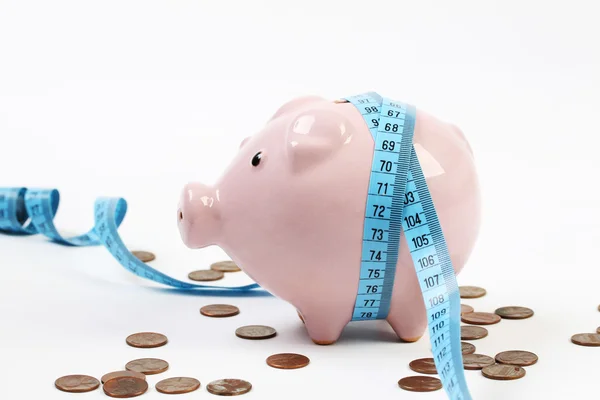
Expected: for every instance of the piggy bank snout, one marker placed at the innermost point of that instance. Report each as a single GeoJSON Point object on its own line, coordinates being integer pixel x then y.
{"type": "Point", "coordinates": [198, 216]}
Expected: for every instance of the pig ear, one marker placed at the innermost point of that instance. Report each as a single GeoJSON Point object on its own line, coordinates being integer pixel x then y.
{"type": "Point", "coordinates": [243, 142]}
{"type": "Point", "coordinates": [314, 136]}
{"type": "Point", "coordinates": [296, 103]}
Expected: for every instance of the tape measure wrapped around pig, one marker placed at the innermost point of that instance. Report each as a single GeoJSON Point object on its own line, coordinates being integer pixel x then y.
{"type": "Point", "coordinates": [296, 210]}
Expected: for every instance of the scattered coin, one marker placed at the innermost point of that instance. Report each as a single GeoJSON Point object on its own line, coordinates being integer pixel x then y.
{"type": "Point", "coordinates": [177, 385]}
{"type": "Point", "coordinates": [225, 266]}
{"type": "Point", "coordinates": [516, 357]}
{"type": "Point", "coordinates": [143, 256]}
{"type": "Point", "coordinates": [598, 330]}
{"type": "Point", "coordinates": [586, 339]}
{"type": "Point", "coordinates": [339, 101]}
{"type": "Point", "coordinates": [204, 275]}
{"type": "Point", "coordinates": [219, 310]}
{"type": "Point", "coordinates": [423, 366]}
{"type": "Point", "coordinates": [255, 332]}
{"type": "Point", "coordinates": [471, 292]}
{"type": "Point", "coordinates": [420, 383]}
{"type": "Point", "coordinates": [480, 318]}
{"type": "Point", "coordinates": [77, 383]}
{"type": "Point", "coordinates": [147, 366]}
{"type": "Point", "coordinates": [467, 348]}
{"type": "Point", "coordinates": [470, 332]}
{"type": "Point", "coordinates": [111, 375]}
{"type": "Point", "coordinates": [125, 387]}
{"type": "Point", "coordinates": [465, 309]}
{"type": "Point", "coordinates": [288, 361]}
{"type": "Point", "coordinates": [514, 312]}
{"type": "Point", "coordinates": [477, 361]}
{"type": "Point", "coordinates": [503, 372]}
{"type": "Point", "coordinates": [229, 387]}
{"type": "Point", "coordinates": [146, 340]}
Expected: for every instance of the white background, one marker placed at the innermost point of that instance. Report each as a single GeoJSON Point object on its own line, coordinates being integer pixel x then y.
{"type": "Point", "coordinates": [135, 98]}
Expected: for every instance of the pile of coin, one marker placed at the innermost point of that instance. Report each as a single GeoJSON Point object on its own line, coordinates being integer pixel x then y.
{"type": "Point", "coordinates": [506, 365]}
{"type": "Point", "coordinates": [131, 382]}
{"type": "Point", "coordinates": [217, 271]}
{"type": "Point", "coordinates": [587, 339]}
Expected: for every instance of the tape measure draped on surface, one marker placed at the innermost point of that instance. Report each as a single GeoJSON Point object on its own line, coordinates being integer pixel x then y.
{"type": "Point", "coordinates": [398, 198]}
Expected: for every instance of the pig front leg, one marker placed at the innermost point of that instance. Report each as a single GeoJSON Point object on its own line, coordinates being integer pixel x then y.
{"type": "Point", "coordinates": [324, 326]}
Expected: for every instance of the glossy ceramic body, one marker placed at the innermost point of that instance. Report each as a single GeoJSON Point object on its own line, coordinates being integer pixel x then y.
{"type": "Point", "coordinates": [294, 222]}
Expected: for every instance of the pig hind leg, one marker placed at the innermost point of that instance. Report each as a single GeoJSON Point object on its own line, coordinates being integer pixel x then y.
{"type": "Point", "coordinates": [323, 327]}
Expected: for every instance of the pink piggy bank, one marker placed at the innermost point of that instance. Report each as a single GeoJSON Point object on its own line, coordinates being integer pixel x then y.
{"type": "Point", "coordinates": [289, 210]}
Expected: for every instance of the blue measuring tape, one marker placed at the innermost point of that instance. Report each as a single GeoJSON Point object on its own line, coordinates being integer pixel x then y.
{"type": "Point", "coordinates": [40, 206]}
{"type": "Point", "coordinates": [397, 198]}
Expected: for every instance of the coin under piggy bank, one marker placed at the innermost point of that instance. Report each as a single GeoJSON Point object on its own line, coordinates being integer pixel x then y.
{"type": "Point", "coordinates": [289, 211]}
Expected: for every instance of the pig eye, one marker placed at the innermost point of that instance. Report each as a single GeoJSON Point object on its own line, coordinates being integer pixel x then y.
{"type": "Point", "coordinates": [256, 159]}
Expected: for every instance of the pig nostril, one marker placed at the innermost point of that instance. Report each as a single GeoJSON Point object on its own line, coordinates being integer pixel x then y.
{"type": "Point", "coordinates": [180, 215]}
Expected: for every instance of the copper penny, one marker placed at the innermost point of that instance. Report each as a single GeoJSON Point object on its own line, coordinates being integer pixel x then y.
{"type": "Point", "coordinates": [147, 366]}
{"type": "Point", "coordinates": [219, 310]}
{"type": "Point", "coordinates": [146, 340]}
{"type": "Point", "coordinates": [77, 383]}
{"type": "Point", "coordinates": [514, 312]}
{"type": "Point", "coordinates": [225, 266]}
{"type": "Point", "coordinates": [229, 387]}
{"type": "Point", "coordinates": [143, 256]}
{"type": "Point", "coordinates": [255, 332]}
{"type": "Point", "coordinates": [204, 275]}
{"type": "Point", "coordinates": [288, 361]}
{"type": "Point", "coordinates": [477, 361]}
{"type": "Point", "coordinates": [586, 339]}
{"type": "Point", "coordinates": [467, 348]}
{"type": "Point", "coordinates": [111, 375]}
{"type": "Point", "coordinates": [480, 318]}
{"type": "Point", "coordinates": [177, 385]}
{"type": "Point", "coordinates": [503, 372]}
{"type": "Point", "coordinates": [470, 332]}
{"type": "Point", "coordinates": [516, 357]}
{"type": "Point", "coordinates": [465, 309]}
{"type": "Point", "coordinates": [125, 387]}
{"type": "Point", "coordinates": [420, 383]}
{"type": "Point", "coordinates": [471, 292]}
{"type": "Point", "coordinates": [423, 366]}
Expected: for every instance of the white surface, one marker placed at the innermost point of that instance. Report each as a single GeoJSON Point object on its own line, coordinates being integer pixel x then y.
{"type": "Point", "coordinates": [135, 98]}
